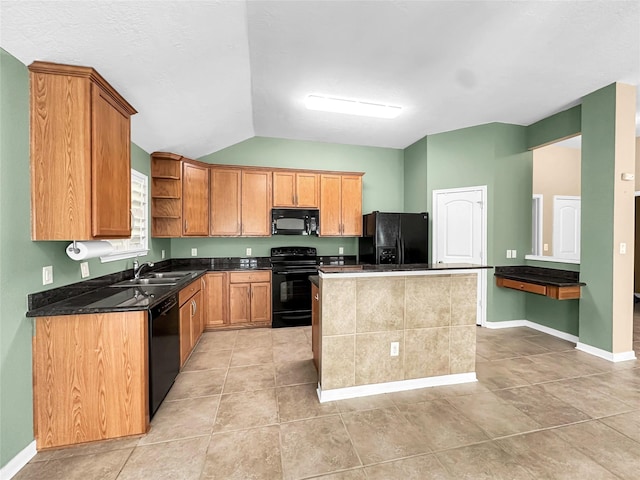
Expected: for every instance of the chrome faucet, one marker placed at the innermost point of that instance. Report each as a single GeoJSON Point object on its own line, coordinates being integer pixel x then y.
{"type": "Point", "coordinates": [137, 268]}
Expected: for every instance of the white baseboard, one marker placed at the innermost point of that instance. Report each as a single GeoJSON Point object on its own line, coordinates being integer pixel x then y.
{"type": "Point", "coordinates": [612, 357]}
{"type": "Point", "coordinates": [390, 387]}
{"type": "Point", "coordinates": [583, 347]}
{"type": "Point", "coordinates": [535, 326]}
{"type": "Point", "coordinates": [20, 460]}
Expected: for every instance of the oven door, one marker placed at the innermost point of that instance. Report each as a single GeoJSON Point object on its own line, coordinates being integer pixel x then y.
{"type": "Point", "coordinates": [291, 290]}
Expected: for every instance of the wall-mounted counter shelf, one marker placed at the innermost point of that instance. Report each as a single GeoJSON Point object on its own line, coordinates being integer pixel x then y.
{"type": "Point", "coordinates": [553, 283]}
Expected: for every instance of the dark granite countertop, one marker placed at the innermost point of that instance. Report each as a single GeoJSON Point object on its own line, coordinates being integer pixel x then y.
{"type": "Point", "coordinates": [412, 267]}
{"type": "Point", "coordinates": [97, 295]}
{"type": "Point", "coordinates": [540, 275]}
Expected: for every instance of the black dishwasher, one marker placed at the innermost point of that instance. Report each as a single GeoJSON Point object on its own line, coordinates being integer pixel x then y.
{"type": "Point", "coordinates": [164, 350]}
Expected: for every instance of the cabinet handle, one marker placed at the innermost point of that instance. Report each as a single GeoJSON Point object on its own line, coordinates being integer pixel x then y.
{"type": "Point", "coordinates": [186, 225]}
{"type": "Point", "coordinates": [194, 308]}
{"type": "Point", "coordinates": [316, 297]}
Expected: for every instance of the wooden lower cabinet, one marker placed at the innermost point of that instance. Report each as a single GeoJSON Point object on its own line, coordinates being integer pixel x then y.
{"type": "Point", "coordinates": [237, 299]}
{"type": "Point", "coordinates": [250, 298]}
{"type": "Point", "coordinates": [216, 295]}
{"type": "Point", "coordinates": [90, 378]}
{"type": "Point", "coordinates": [190, 318]}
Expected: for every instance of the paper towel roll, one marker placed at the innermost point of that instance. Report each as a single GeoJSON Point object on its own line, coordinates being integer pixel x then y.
{"type": "Point", "coordinates": [92, 249]}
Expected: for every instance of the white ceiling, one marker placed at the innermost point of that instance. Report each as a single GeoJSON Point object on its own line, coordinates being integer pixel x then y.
{"type": "Point", "coordinates": [205, 75]}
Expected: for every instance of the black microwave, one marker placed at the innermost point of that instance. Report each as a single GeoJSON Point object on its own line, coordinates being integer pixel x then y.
{"type": "Point", "coordinates": [291, 221]}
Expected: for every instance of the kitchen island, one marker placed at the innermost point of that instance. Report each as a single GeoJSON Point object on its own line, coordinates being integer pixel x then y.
{"type": "Point", "coordinates": [387, 328]}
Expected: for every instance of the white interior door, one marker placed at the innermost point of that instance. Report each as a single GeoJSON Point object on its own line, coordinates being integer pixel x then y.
{"type": "Point", "coordinates": [459, 233]}
{"type": "Point", "coordinates": [566, 227]}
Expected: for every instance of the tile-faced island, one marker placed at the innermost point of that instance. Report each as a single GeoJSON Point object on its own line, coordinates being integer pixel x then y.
{"type": "Point", "coordinates": [368, 313]}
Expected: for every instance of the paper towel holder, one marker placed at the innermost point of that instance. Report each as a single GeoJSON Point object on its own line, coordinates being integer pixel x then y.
{"type": "Point", "coordinates": [73, 247]}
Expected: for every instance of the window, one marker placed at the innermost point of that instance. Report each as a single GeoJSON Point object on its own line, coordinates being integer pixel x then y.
{"type": "Point", "coordinates": [138, 244]}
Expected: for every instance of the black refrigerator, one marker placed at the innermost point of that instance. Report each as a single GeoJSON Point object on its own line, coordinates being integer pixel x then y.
{"type": "Point", "coordinates": [394, 238]}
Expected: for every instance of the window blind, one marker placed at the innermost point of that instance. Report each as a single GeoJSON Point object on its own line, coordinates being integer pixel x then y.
{"type": "Point", "coordinates": [138, 244]}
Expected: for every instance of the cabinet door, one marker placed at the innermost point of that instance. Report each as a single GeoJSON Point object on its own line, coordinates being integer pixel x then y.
{"type": "Point", "coordinates": [225, 202]}
{"type": "Point", "coordinates": [284, 189]}
{"type": "Point", "coordinates": [261, 302]}
{"type": "Point", "coordinates": [216, 299]}
{"type": "Point", "coordinates": [307, 189]}
{"type": "Point", "coordinates": [185, 332]}
{"type": "Point", "coordinates": [110, 168]}
{"type": "Point", "coordinates": [330, 214]}
{"type": "Point", "coordinates": [196, 316]}
{"type": "Point", "coordinates": [256, 203]}
{"type": "Point", "coordinates": [239, 303]}
{"type": "Point", "coordinates": [195, 200]}
{"type": "Point", "coordinates": [351, 206]}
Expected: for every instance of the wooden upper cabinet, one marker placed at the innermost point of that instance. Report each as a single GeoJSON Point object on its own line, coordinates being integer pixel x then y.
{"type": "Point", "coordinates": [166, 195]}
{"type": "Point", "coordinates": [295, 189]}
{"type": "Point", "coordinates": [226, 202]}
{"type": "Point", "coordinates": [330, 215]}
{"type": "Point", "coordinates": [80, 155]}
{"type": "Point", "coordinates": [340, 205]}
{"type": "Point", "coordinates": [195, 200]}
{"type": "Point", "coordinates": [351, 205]}
{"type": "Point", "coordinates": [256, 203]}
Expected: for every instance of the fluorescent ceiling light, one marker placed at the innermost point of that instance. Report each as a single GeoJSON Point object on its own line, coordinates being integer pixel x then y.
{"type": "Point", "coordinates": [352, 107]}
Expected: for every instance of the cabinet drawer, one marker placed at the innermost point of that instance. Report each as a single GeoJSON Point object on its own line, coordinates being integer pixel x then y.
{"type": "Point", "coordinates": [250, 277]}
{"type": "Point", "coordinates": [187, 292]}
{"type": "Point", "coordinates": [523, 286]}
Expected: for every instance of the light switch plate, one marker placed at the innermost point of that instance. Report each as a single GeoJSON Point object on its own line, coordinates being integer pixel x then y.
{"type": "Point", "coordinates": [508, 253]}
{"type": "Point", "coordinates": [84, 269]}
{"type": "Point", "coordinates": [194, 252]}
{"type": "Point", "coordinates": [47, 275]}
{"type": "Point", "coordinates": [514, 254]}
{"type": "Point", "coordinates": [340, 250]}
{"type": "Point", "coordinates": [162, 254]}
{"type": "Point", "coordinates": [248, 251]}
{"type": "Point", "coordinates": [395, 349]}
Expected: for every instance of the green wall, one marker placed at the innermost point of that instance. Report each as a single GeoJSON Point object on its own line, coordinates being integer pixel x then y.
{"type": "Point", "coordinates": [597, 191]}
{"type": "Point", "coordinates": [555, 127]}
{"type": "Point", "coordinates": [415, 176]}
{"type": "Point", "coordinates": [494, 155]}
{"type": "Point", "coordinates": [382, 189]}
{"type": "Point", "coordinates": [21, 260]}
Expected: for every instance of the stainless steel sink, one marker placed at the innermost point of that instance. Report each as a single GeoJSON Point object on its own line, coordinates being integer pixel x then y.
{"type": "Point", "coordinates": [153, 279]}
{"type": "Point", "coordinates": [166, 275]}
{"type": "Point", "coordinates": [146, 281]}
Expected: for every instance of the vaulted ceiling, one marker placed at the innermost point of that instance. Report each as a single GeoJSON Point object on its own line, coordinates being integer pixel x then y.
{"type": "Point", "coordinates": [205, 75]}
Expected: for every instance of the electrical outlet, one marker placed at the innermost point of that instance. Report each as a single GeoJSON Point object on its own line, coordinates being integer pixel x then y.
{"type": "Point", "coordinates": [84, 269]}
{"type": "Point", "coordinates": [395, 349]}
{"type": "Point", "coordinates": [194, 252]}
{"type": "Point", "coordinates": [47, 275]}
{"type": "Point", "coordinates": [623, 249]}
{"type": "Point", "coordinates": [248, 251]}
{"type": "Point", "coordinates": [163, 254]}
{"type": "Point", "coordinates": [340, 250]}
{"type": "Point", "coordinates": [545, 247]}
{"type": "Point", "coordinates": [508, 253]}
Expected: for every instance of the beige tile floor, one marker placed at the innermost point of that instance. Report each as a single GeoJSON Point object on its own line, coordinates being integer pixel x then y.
{"type": "Point", "coordinates": [245, 407]}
